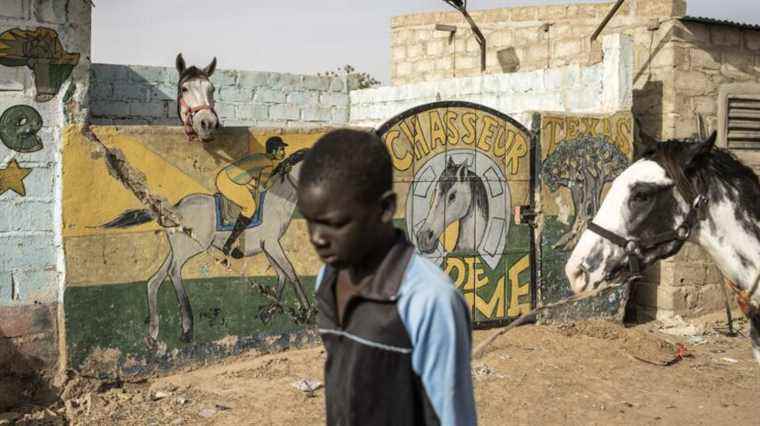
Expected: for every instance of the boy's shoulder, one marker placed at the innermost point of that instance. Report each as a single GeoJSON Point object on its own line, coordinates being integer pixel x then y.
{"type": "Point", "coordinates": [423, 278]}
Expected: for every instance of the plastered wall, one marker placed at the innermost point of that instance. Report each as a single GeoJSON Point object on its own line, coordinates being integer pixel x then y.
{"type": "Point", "coordinates": [44, 54]}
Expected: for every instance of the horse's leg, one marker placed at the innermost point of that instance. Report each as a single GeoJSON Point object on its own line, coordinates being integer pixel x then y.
{"type": "Point", "coordinates": [154, 283]}
{"type": "Point", "coordinates": [279, 260]}
{"type": "Point", "coordinates": [184, 250]}
{"type": "Point", "coordinates": [754, 333]}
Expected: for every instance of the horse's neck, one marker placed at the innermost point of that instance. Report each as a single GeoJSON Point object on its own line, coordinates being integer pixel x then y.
{"type": "Point", "coordinates": [731, 236]}
{"type": "Point", "coordinates": [472, 226]}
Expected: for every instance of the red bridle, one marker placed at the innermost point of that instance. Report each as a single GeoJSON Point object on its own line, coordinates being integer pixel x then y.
{"type": "Point", "coordinates": [187, 113]}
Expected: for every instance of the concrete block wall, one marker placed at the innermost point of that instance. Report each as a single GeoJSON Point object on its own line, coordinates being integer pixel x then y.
{"type": "Point", "coordinates": [600, 88]}
{"type": "Point", "coordinates": [132, 94]}
{"type": "Point", "coordinates": [517, 39]}
{"type": "Point", "coordinates": [31, 252]}
{"type": "Point", "coordinates": [678, 71]}
{"type": "Point", "coordinates": [701, 60]}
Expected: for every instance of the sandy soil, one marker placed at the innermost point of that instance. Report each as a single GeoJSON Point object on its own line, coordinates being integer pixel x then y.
{"type": "Point", "coordinates": [588, 372]}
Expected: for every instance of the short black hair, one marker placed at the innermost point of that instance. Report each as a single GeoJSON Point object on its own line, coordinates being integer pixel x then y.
{"type": "Point", "coordinates": [349, 158]}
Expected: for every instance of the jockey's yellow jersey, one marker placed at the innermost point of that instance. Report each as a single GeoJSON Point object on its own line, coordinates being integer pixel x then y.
{"type": "Point", "coordinates": [258, 166]}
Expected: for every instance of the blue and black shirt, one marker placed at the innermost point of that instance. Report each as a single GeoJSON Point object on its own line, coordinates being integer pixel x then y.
{"type": "Point", "coordinates": [400, 353]}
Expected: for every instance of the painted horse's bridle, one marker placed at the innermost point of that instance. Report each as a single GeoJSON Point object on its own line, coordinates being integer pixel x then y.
{"type": "Point", "coordinates": [636, 248]}
{"type": "Point", "coordinates": [189, 113]}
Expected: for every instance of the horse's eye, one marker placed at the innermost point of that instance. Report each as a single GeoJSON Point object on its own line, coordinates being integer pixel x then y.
{"type": "Point", "coordinates": [641, 197]}
{"type": "Point", "coordinates": [184, 89]}
{"type": "Point", "coordinates": [452, 196]}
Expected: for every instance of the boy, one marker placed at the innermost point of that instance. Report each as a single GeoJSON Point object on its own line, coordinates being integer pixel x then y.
{"type": "Point", "coordinates": [396, 331]}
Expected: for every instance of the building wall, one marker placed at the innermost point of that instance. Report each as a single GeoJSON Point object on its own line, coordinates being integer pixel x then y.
{"type": "Point", "coordinates": [134, 94]}
{"type": "Point", "coordinates": [46, 87]}
{"type": "Point", "coordinates": [704, 58]}
{"type": "Point", "coordinates": [678, 70]}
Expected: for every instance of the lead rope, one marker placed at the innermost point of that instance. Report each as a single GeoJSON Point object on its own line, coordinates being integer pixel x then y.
{"type": "Point", "coordinates": [531, 316]}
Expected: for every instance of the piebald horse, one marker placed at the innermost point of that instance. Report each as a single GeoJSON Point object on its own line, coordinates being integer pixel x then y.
{"type": "Point", "coordinates": [678, 191]}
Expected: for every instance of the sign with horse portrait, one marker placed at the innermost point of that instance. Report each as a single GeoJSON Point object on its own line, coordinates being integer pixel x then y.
{"type": "Point", "coordinates": [460, 169]}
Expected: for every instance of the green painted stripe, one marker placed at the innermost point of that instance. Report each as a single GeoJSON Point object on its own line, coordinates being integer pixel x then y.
{"type": "Point", "coordinates": [116, 315]}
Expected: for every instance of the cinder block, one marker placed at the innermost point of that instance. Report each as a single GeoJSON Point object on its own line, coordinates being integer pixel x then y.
{"type": "Point", "coordinates": [143, 74]}
{"type": "Point", "coordinates": [314, 82]}
{"type": "Point", "coordinates": [26, 215]}
{"type": "Point", "coordinates": [284, 112]}
{"type": "Point", "coordinates": [226, 110]}
{"type": "Point", "coordinates": [31, 251]}
{"type": "Point", "coordinates": [253, 79]}
{"type": "Point", "coordinates": [39, 184]}
{"type": "Point", "coordinates": [222, 78]}
{"type": "Point", "coordinates": [268, 96]}
{"type": "Point", "coordinates": [302, 98]}
{"type": "Point", "coordinates": [128, 91]}
{"type": "Point", "coordinates": [101, 90]}
{"type": "Point", "coordinates": [253, 112]}
{"type": "Point", "coordinates": [109, 72]}
{"type": "Point", "coordinates": [235, 94]}
{"type": "Point", "coordinates": [147, 109]}
{"type": "Point", "coordinates": [28, 287]}
{"type": "Point", "coordinates": [317, 113]}
{"type": "Point", "coordinates": [334, 99]}
{"type": "Point", "coordinates": [285, 81]}
{"type": "Point", "coordinates": [48, 11]}
{"type": "Point", "coordinates": [340, 116]}
{"type": "Point", "coordinates": [14, 9]}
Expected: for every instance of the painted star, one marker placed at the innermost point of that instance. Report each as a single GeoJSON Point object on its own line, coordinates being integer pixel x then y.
{"type": "Point", "coordinates": [12, 177]}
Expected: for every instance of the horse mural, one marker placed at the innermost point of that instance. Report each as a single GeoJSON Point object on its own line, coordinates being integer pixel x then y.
{"type": "Point", "coordinates": [199, 233]}
{"type": "Point", "coordinates": [195, 100]}
{"type": "Point", "coordinates": [460, 195]}
{"type": "Point", "coordinates": [678, 191]}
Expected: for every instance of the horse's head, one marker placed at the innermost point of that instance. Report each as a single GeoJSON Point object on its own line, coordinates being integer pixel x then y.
{"type": "Point", "coordinates": [451, 201]}
{"type": "Point", "coordinates": [647, 215]}
{"type": "Point", "coordinates": [195, 100]}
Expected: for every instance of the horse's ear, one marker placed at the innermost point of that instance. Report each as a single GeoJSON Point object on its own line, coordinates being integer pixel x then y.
{"type": "Point", "coordinates": [697, 149]}
{"type": "Point", "coordinates": [210, 67]}
{"type": "Point", "coordinates": [644, 144]}
{"type": "Point", "coordinates": [180, 64]}
{"type": "Point", "coordinates": [462, 171]}
{"type": "Point", "coordinates": [450, 162]}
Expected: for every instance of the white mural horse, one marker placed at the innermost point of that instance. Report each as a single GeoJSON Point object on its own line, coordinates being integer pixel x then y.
{"type": "Point", "coordinates": [460, 195]}
{"type": "Point", "coordinates": [678, 191]}
{"type": "Point", "coordinates": [199, 234]}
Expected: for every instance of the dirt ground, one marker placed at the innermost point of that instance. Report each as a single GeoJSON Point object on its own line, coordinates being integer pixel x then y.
{"type": "Point", "coordinates": [589, 372]}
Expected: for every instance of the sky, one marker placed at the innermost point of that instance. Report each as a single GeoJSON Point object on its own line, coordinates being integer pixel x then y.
{"type": "Point", "coordinates": [296, 36]}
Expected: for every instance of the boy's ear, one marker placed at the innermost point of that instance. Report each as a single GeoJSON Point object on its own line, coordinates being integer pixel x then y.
{"type": "Point", "coordinates": [388, 205]}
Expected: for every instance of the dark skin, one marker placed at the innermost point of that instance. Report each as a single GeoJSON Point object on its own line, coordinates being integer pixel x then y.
{"type": "Point", "coordinates": [348, 233]}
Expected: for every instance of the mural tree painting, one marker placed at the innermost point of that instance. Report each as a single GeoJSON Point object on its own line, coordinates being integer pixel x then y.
{"type": "Point", "coordinates": [583, 166]}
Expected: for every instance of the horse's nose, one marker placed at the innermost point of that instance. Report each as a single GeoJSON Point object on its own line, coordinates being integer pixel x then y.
{"type": "Point", "coordinates": [206, 124]}
{"type": "Point", "coordinates": [576, 275]}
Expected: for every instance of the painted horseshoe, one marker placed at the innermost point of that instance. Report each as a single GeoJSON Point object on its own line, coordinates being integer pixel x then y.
{"type": "Point", "coordinates": [19, 125]}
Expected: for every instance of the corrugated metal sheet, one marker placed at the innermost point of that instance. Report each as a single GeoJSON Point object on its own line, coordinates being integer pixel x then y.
{"type": "Point", "coordinates": [713, 21]}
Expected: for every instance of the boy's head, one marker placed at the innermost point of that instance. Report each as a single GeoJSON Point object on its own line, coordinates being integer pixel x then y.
{"type": "Point", "coordinates": [345, 194]}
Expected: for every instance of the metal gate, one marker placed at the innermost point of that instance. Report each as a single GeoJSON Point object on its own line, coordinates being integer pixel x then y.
{"type": "Point", "coordinates": [460, 169]}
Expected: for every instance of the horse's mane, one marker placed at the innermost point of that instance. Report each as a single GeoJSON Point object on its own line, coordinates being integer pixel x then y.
{"type": "Point", "coordinates": [707, 172]}
{"type": "Point", "coordinates": [448, 177]}
{"type": "Point", "coordinates": [288, 162]}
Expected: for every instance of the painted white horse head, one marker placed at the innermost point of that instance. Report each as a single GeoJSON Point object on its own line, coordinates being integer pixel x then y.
{"type": "Point", "coordinates": [195, 100]}
{"type": "Point", "coordinates": [678, 191]}
{"type": "Point", "coordinates": [459, 195]}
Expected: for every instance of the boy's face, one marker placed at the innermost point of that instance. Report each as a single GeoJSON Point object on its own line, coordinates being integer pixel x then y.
{"type": "Point", "coordinates": [342, 229]}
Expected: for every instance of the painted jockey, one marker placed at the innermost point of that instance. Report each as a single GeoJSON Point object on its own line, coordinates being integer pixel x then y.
{"type": "Point", "coordinates": [243, 181]}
